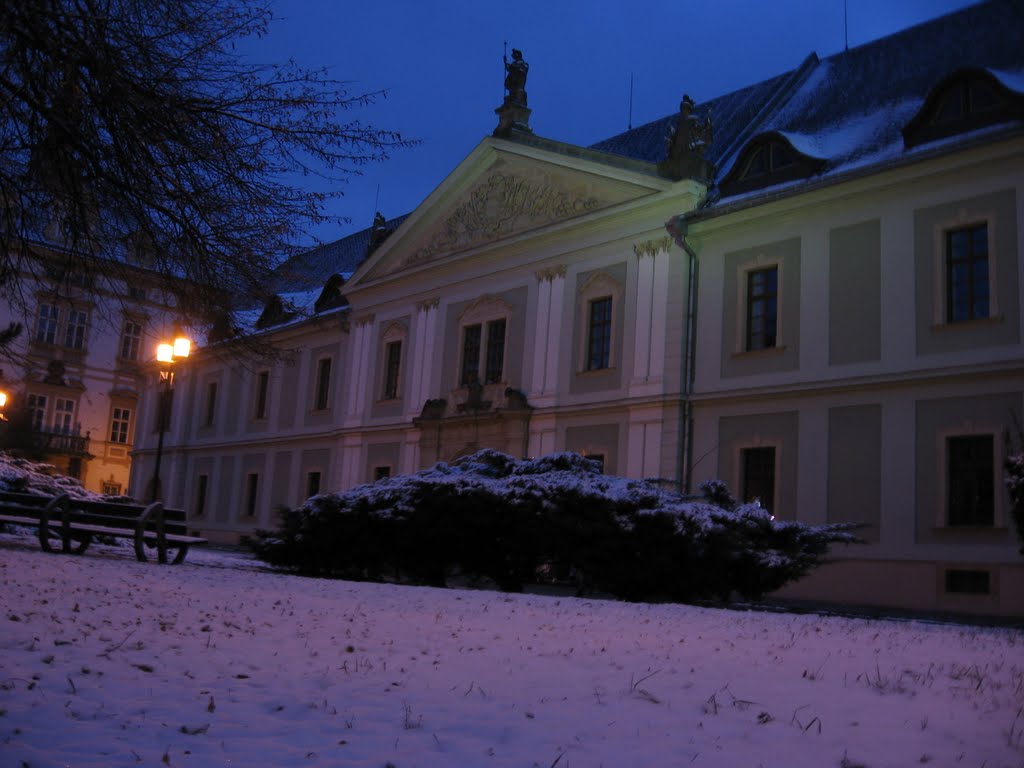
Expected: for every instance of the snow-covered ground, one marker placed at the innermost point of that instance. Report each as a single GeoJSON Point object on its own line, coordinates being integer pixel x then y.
{"type": "Point", "coordinates": [105, 661]}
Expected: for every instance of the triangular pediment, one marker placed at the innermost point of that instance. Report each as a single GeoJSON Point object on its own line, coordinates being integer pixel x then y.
{"type": "Point", "coordinates": [502, 195]}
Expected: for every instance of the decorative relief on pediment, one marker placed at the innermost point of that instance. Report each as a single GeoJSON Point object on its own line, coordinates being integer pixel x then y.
{"type": "Point", "coordinates": [506, 203]}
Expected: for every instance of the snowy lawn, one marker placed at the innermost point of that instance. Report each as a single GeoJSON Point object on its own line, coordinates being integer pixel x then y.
{"type": "Point", "coordinates": [105, 661]}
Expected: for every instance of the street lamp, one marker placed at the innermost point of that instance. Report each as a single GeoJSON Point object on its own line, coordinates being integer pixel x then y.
{"type": "Point", "coordinates": [3, 404]}
{"type": "Point", "coordinates": [167, 354]}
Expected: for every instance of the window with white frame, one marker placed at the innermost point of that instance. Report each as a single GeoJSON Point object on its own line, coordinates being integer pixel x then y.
{"type": "Point", "coordinates": [252, 487]}
{"type": "Point", "coordinates": [761, 308]}
{"type": "Point", "coordinates": [64, 415]}
{"type": "Point", "coordinates": [202, 481]}
{"type": "Point", "coordinates": [312, 484]}
{"type": "Point", "coordinates": [599, 333]}
{"type": "Point", "coordinates": [392, 368]}
{"type": "Point", "coordinates": [260, 395]}
{"type": "Point", "coordinates": [967, 273]}
{"type": "Point", "coordinates": [598, 324]}
{"type": "Point", "coordinates": [391, 373]}
{"type": "Point", "coordinates": [322, 394]}
{"type": "Point", "coordinates": [37, 410]}
{"type": "Point", "coordinates": [131, 340]}
{"type": "Point", "coordinates": [211, 404]}
{"type": "Point", "coordinates": [69, 327]}
{"type": "Point", "coordinates": [75, 329]}
{"type": "Point", "coordinates": [120, 425]}
{"type": "Point", "coordinates": [483, 328]}
{"type": "Point", "coordinates": [47, 323]}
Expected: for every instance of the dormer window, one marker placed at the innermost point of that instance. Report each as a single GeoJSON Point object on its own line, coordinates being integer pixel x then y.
{"type": "Point", "coordinates": [964, 101]}
{"type": "Point", "coordinates": [767, 160]}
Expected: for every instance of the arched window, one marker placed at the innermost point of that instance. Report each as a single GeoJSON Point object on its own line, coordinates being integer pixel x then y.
{"type": "Point", "coordinates": [966, 100]}
{"type": "Point", "coordinates": [768, 159]}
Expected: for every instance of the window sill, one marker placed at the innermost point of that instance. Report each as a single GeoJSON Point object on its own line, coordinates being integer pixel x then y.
{"type": "Point", "coordinates": [388, 400]}
{"type": "Point", "coordinates": [595, 371]}
{"type": "Point", "coordinates": [971, 532]}
{"type": "Point", "coordinates": [756, 353]}
{"type": "Point", "coordinates": [956, 325]}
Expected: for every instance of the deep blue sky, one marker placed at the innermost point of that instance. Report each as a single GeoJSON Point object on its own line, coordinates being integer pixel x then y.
{"type": "Point", "coordinates": [441, 63]}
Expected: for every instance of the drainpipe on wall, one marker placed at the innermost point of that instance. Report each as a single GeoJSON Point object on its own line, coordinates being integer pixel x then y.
{"type": "Point", "coordinates": [678, 230]}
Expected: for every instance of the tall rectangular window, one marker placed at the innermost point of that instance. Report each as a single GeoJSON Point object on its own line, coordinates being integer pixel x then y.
{"type": "Point", "coordinates": [131, 340]}
{"type": "Point", "coordinates": [200, 508]}
{"type": "Point", "coordinates": [120, 421]}
{"type": "Point", "coordinates": [599, 334]}
{"type": "Point", "coordinates": [393, 357]}
{"type": "Point", "coordinates": [970, 462]}
{"type": "Point", "coordinates": [37, 411]}
{"type": "Point", "coordinates": [323, 384]}
{"type": "Point", "coordinates": [759, 476]}
{"type": "Point", "coordinates": [211, 404]}
{"type": "Point", "coordinates": [64, 415]}
{"type": "Point", "coordinates": [967, 284]}
{"type": "Point", "coordinates": [312, 484]}
{"type": "Point", "coordinates": [47, 320]}
{"type": "Point", "coordinates": [470, 355]}
{"type": "Point", "coordinates": [74, 331]}
{"type": "Point", "coordinates": [495, 351]}
{"type": "Point", "coordinates": [262, 386]}
{"type": "Point", "coordinates": [252, 487]}
{"type": "Point", "coordinates": [762, 308]}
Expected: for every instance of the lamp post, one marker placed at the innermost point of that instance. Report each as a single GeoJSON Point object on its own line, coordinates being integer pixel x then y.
{"type": "Point", "coordinates": [3, 405]}
{"type": "Point", "coordinates": [167, 354]}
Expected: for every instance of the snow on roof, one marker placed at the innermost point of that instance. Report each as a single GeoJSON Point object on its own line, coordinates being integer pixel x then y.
{"type": "Point", "coordinates": [853, 105]}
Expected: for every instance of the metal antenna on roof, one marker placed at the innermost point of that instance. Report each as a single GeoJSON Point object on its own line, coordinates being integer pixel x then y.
{"type": "Point", "coordinates": [376, 201]}
{"type": "Point", "coordinates": [846, 28]}
{"type": "Point", "coordinates": [630, 102]}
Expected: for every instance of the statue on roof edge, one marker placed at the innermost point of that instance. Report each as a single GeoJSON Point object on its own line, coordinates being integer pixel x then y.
{"type": "Point", "coordinates": [687, 144]}
{"type": "Point", "coordinates": [515, 78]}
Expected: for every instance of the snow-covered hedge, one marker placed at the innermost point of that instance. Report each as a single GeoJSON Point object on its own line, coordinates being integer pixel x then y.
{"type": "Point", "coordinates": [556, 518]}
{"type": "Point", "coordinates": [22, 475]}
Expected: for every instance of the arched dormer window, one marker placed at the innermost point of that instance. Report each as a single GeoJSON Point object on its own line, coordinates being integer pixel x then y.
{"type": "Point", "coordinates": [966, 100]}
{"type": "Point", "coordinates": [768, 159]}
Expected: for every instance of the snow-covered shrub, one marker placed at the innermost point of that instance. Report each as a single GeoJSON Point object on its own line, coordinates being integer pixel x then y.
{"type": "Point", "coordinates": [556, 518]}
{"type": "Point", "coordinates": [25, 476]}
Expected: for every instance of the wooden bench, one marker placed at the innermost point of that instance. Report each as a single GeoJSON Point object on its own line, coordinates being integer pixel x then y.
{"type": "Point", "coordinates": [76, 521]}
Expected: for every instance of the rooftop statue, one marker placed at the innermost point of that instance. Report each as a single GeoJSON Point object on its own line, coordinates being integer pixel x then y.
{"type": "Point", "coordinates": [686, 145]}
{"type": "Point", "coordinates": [513, 114]}
{"type": "Point", "coordinates": [515, 78]}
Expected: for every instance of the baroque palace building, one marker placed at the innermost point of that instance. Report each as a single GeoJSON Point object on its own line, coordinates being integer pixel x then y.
{"type": "Point", "coordinates": [809, 288]}
{"type": "Point", "coordinates": [74, 374]}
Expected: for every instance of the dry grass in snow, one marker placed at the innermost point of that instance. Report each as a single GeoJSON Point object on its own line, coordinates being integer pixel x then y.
{"type": "Point", "coordinates": [105, 661]}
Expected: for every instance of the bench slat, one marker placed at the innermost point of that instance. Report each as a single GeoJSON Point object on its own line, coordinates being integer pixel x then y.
{"type": "Point", "coordinates": [150, 524]}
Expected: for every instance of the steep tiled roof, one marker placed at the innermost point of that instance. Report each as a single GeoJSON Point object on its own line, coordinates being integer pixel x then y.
{"type": "Point", "coordinates": [845, 110]}
{"type": "Point", "coordinates": [849, 108]}
{"type": "Point", "coordinates": [310, 269]}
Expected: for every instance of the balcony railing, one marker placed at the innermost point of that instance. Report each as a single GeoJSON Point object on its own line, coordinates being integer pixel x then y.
{"type": "Point", "coordinates": [61, 442]}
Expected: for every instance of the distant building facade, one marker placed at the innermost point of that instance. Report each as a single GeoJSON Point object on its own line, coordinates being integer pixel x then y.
{"type": "Point", "coordinates": [75, 372]}
{"type": "Point", "coordinates": [813, 295]}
